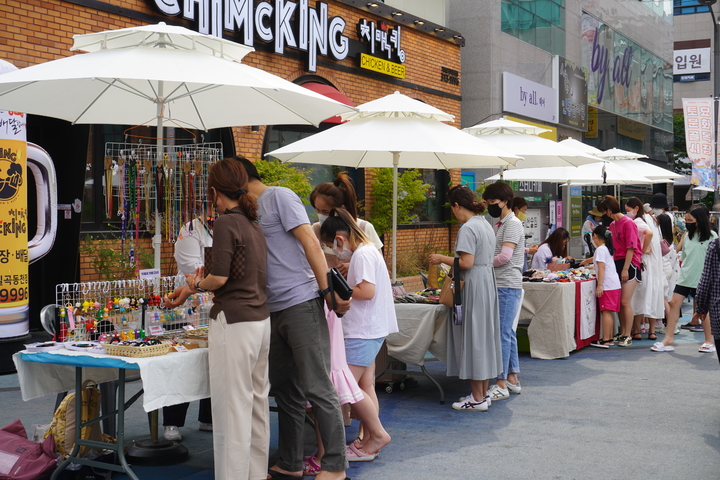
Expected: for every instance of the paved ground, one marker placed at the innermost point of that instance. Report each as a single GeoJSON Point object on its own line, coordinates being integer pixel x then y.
{"type": "Point", "coordinates": [599, 414]}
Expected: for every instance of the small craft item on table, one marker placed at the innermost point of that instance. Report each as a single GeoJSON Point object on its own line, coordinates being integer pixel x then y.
{"type": "Point", "coordinates": [138, 348]}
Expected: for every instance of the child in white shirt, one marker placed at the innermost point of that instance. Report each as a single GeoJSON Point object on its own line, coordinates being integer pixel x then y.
{"type": "Point", "coordinates": [608, 284]}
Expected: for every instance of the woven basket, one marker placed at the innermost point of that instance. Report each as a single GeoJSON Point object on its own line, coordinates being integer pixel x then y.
{"type": "Point", "coordinates": [137, 352]}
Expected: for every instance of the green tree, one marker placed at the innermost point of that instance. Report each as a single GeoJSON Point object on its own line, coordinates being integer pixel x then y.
{"type": "Point", "coordinates": [411, 191]}
{"type": "Point", "coordinates": [278, 174]}
{"type": "Point", "coordinates": [682, 164]}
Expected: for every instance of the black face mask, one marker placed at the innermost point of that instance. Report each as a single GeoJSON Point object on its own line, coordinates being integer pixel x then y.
{"type": "Point", "coordinates": [494, 210]}
{"type": "Point", "coordinates": [691, 227]}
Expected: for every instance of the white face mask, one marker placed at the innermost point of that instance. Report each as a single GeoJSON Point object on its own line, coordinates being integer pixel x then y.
{"type": "Point", "coordinates": [657, 211]}
{"type": "Point", "coordinates": [343, 255]}
{"type": "Point", "coordinates": [631, 214]}
{"type": "Point", "coordinates": [321, 218]}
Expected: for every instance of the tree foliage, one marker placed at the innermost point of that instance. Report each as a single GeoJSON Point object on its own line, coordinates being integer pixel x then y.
{"type": "Point", "coordinates": [277, 174]}
{"type": "Point", "coordinates": [411, 191]}
{"type": "Point", "coordinates": [682, 164]}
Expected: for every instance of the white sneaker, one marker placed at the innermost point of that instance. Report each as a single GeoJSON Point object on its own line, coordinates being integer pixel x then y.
{"type": "Point", "coordinates": [659, 326]}
{"type": "Point", "coordinates": [205, 427]}
{"type": "Point", "coordinates": [513, 388]}
{"type": "Point", "coordinates": [172, 433]}
{"type": "Point", "coordinates": [677, 330]}
{"type": "Point", "coordinates": [469, 405]}
{"type": "Point", "coordinates": [495, 392]}
{"type": "Point", "coordinates": [645, 328]}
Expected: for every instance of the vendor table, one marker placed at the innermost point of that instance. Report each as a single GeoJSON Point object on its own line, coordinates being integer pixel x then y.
{"type": "Point", "coordinates": [422, 327]}
{"type": "Point", "coordinates": [563, 317]}
{"type": "Point", "coordinates": [167, 380]}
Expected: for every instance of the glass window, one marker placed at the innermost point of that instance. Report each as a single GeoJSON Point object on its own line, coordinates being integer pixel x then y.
{"type": "Point", "coordinates": [540, 23]}
{"type": "Point", "coordinates": [686, 7]}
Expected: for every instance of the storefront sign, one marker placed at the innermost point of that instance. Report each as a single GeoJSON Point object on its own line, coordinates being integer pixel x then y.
{"type": "Point", "coordinates": [380, 65]}
{"type": "Point", "coordinates": [528, 98]}
{"type": "Point", "coordinates": [687, 78]}
{"type": "Point", "coordinates": [532, 226]}
{"type": "Point", "coordinates": [576, 191]}
{"type": "Point", "coordinates": [282, 22]}
{"type": "Point", "coordinates": [558, 213]}
{"type": "Point", "coordinates": [382, 38]}
{"type": "Point", "coordinates": [576, 215]}
{"type": "Point", "coordinates": [624, 78]}
{"type": "Point", "coordinates": [592, 125]}
{"type": "Point", "coordinates": [631, 129]}
{"type": "Point", "coordinates": [551, 133]}
{"type": "Point", "coordinates": [694, 60]}
{"type": "Point", "coordinates": [448, 75]}
{"type": "Point", "coordinates": [699, 139]}
{"type": "Point", "coordinates": [570, 80]}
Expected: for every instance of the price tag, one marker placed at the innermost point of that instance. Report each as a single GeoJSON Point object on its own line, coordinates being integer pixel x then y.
{"type": "Point", "coordinates": [156, 330]}
{"type": "Point", "coordinates": [188, 327]}
{"type": "Point", "coordinates": [180, 348]}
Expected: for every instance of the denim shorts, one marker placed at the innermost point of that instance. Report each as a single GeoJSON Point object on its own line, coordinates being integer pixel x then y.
{"type": "Point", "coordinates": [362, 351]}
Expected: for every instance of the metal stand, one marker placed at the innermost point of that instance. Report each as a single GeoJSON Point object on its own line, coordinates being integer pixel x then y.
{"type": "Point", "coordinates": [116, 447]}
{"type": "Point", "coordinates": [155, 451]}
{"type": "Point", "coordinates": [387, 369]}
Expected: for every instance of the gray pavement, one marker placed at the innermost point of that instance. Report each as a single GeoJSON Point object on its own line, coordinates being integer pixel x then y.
{"type": "Point", "coordinates": [606, 414]}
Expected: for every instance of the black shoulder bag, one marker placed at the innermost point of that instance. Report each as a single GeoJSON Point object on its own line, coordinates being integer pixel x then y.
{"type": "Point", "coordinates": [337, 283]}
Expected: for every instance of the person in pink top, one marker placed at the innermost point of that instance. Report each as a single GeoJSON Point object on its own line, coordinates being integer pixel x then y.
{"type": "Point", "coordinates": [628, 256]}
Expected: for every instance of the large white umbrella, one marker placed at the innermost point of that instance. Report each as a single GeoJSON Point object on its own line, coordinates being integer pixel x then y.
{"type": "Point", "coordinates": [522, 140]}
{"type": "Point", "coordinates": [580, 146]}
{"type": "Point", "coordinates": [598, 173]}
{"type": "Point", "coordinates": [653, 172]}
{"type": "Point", "coordinates": [620, 154]}
{"type": "Point", "coordinates": [156, 73]}
{"type": "Point", "coordinates": [399, 132]}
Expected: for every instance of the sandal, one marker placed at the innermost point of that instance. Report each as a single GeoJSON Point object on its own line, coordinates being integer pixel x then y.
{"type": "Point", "coordinates": [636, 336]}
{"type": "Point", "coordinates": [652, 336]}
{"type": "Point", "coordinates": [311, 466]}
{"type": "Point", "coordinates": [707, 348]}
{"type": "Point", "coordinates": [603, 343]}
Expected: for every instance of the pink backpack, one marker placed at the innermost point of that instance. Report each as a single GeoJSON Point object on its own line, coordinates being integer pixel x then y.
{"type": "Point", "coordinates": [23, 459]}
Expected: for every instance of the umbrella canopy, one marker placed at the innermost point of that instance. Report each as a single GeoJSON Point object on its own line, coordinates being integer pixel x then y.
{"type": "Point", "coordinates": [131, 85]}
{"type": "Point", "coordinates": [396, 131]}
{"type": "Point", "coordinates": [619, 154]}
{"type": "Point", "coordinates": [536, 151]}
{"type": "Point", "coordinates": [580, 146]}
{"type": "Point", "coordinates": [598, 173]}
{"type": "Point", "coordinates": [136, 75]}
{"type": "Point", "coordinates": [653, 172]}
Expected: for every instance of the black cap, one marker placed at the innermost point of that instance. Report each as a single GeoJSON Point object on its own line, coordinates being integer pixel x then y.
{"type": "Point", "coordinates": [659, 200]}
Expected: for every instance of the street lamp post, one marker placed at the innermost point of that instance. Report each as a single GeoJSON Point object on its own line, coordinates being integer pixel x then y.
{"type": "Point", "coordinates": [716, 92]}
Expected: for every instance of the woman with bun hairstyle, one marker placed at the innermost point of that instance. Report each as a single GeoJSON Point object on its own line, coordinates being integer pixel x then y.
{"type": "Point", "coordinates": [239, 338]}
{"type": "Point", "coordinates": [340, 193]}
{"type": "Point", "coordinates": [628, 255]}
{"type": "Point", "coordinates": [365, 325]}
{"type": "Point", "coordinates": [474, 347]}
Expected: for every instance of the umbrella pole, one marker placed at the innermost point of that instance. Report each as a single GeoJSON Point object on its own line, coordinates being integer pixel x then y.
{"type": "Point", "coordinates": [396, 161]}
{"type": "Point", "coordinates": [157, 238]}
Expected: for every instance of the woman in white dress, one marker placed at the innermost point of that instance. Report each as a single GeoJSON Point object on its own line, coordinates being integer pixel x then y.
{"type": "Point", "coordinates": [647, 301]}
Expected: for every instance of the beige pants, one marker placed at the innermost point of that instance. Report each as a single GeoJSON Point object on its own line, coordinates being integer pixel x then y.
{"type": "Point", "coordinates": [239, 387]}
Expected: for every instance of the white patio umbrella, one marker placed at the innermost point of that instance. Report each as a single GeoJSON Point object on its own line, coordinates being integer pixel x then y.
{"type": "Point", "coordinates": [619, 154]}
{"type": "Point", "coordinates": [399, 132]}
{"type": "Point", "coordinates": [653, 172]}
{"type": "Point", "coordinates": [156, 73]}
{"type": "Point", "coordinates": [580, 146]}
{"type": "Point", "coordinates": [598, 173]}
{"type": "Point", "coordinates": [522, 140]}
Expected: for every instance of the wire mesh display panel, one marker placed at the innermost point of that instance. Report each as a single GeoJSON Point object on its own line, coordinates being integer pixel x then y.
{"type": "Point", "coordinates": [139, 181]}
{"type": "Point", "coordinates": [130, 308]}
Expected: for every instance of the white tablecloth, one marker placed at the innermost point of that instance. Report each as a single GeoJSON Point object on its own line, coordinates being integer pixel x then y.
{"type": "Point", "coordinates": [169, 379]}
{"type": "Point", "coordinates": [423, 327]}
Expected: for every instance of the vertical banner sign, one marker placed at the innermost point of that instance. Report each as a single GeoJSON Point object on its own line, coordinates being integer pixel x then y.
{"type": "Point", "coordinates": [14, 258]}
{"type": "Point", "coordinates": [559, 213]}
{"type": "Point", "coordinates": [699, 125]}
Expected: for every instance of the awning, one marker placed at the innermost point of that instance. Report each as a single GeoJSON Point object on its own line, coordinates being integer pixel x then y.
{"type": "Point", "coordinates": [330, 92]}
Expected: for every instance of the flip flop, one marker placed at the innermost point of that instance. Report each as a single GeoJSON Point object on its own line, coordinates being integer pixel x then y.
{"type": "Point", "coordinates": [354, 454]}
{"type": "Point", "coordinates": [275, 475]}
{"type": "Point", "coordinates": [661, 347]}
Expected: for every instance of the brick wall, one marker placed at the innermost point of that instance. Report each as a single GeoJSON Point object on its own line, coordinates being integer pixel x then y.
{"type": "Point", "coordinates": [35, 31]}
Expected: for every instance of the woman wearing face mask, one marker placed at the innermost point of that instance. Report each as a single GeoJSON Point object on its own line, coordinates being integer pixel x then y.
{"type": "Point", "coordinates": [553, 248]}
{"type": "Point", "coordinates": [627, 256]}
{"type": "Point", "coordinates": [647, 302]}
{"type": "Point", "coordinates": [692, 255]}
{"type": "Point", "coordinates": [365, 326]}
{"type": "Point", "coordinates": [474, 347]}
{"type": "Point", "coordinates": [339, 193]}
{"type": "Point", "coordinates": [507, 263]}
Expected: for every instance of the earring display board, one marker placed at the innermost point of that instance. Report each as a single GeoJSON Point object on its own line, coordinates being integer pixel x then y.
{"type": "Point", "coordinates": [139, 181]}
{"type": "Point", "coordinates": [126, 309]}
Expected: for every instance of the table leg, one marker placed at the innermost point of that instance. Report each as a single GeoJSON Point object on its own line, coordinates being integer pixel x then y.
{"type": "Point", "coordinates": [121, 425]}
